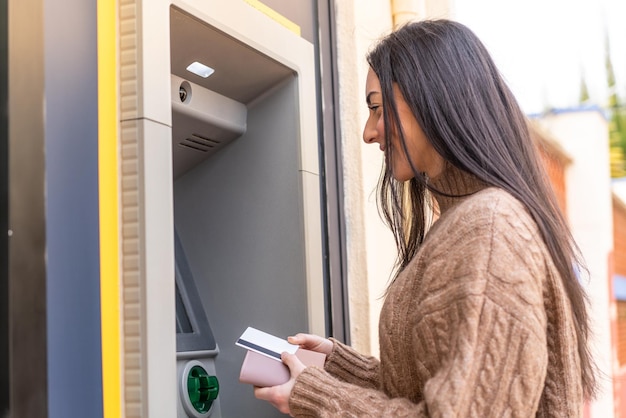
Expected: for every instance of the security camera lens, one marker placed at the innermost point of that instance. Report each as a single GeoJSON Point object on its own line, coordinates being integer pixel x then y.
{"type": "Point", "coordinates": [182, 93]}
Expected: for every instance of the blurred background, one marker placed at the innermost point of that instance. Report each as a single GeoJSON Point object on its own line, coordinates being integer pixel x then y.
{"type": "Point", "coordinates": [559, 54]}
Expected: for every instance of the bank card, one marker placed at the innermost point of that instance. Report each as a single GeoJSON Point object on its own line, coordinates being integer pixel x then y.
{"type": "Point", "coordinates": [265, 344]}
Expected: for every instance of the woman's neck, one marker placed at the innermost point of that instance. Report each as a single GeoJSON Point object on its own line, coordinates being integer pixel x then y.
{"type": "Point", "coordinates": [452, 186]}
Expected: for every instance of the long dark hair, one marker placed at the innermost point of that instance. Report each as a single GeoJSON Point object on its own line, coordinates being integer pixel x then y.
{"type": "Point", "coordinates": [471, 118]}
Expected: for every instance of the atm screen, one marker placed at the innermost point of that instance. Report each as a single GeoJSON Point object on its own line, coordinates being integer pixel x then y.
{"type": "Point", "coordinates": [183, 324]}
{"type": "Point", "coordinates": [193, 332]}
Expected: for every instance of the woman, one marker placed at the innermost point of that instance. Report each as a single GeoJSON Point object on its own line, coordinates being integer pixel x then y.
{"type": "Point", "coordinates": [485, 315]}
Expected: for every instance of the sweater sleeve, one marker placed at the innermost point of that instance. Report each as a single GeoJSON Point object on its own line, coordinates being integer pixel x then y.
{"type": "Point", "coordinates": [318, 394]}
{"type": "Point", "coordinates": [479, 336]}
{"type": "Point", "coordinates": [348, 365]}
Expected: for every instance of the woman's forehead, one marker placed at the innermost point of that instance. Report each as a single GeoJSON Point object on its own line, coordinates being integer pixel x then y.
{"type": "Point", "coordinates": [372, 84]}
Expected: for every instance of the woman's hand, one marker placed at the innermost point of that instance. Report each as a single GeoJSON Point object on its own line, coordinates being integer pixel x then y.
{"type": "Point", "coordinates": [312, 342]}
{"type": "Point", "coordinates": [279, 395]}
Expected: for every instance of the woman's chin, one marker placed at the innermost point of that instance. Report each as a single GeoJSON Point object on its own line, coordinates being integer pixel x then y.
{"type": "Point", "coordinates": [401, 179]}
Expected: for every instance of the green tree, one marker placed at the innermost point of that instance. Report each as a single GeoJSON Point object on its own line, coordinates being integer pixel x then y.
{"type": "Point", "coordinates": [584, 91]}
{"type": "Point", "coordinates": [617, 120]}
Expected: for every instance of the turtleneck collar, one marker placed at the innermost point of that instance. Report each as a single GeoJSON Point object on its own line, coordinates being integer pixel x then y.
{"type": "Point", "coordinates": [455, 182]}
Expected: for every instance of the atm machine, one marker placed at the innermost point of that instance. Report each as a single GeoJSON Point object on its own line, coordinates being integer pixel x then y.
{"type": "Point", "coordinates": [246, 202]}
{"type": "Point", "coordinates": [195, 346]}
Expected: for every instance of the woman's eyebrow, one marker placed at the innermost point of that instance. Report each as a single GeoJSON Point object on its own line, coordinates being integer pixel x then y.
{"type": "Point", "coordinates": [369, 95]}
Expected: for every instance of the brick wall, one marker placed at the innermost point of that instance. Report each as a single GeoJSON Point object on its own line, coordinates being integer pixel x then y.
{"type": "Point", "coordinates": [618, 262]}
{"type": "Point", "coordinates": [555, 161]}
{"type": "Point", "coordinates": [555, 167]}
{"type": "Point", "coordinates": [619, 268]}
{"type": "Point", "coordinates": [619, 236]}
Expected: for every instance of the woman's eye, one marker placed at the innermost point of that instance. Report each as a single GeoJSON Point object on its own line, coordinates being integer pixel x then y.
{"type": "Point", "coordinates": [374, 108]}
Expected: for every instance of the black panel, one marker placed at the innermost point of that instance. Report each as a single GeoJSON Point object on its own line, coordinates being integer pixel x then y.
{"type": "Point", "coordinates": [4, 215]}
{"type": "Point", "coordinates": [27, 263]}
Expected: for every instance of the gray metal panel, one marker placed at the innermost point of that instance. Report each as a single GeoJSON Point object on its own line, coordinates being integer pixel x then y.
{"type": "Point", "coordinates": [336, 275]}
{"type": "Point", "coordinates": [241, 72]}
{"type": "Point", "coordinates": [202, 123]}
{"type": "Point", "coordinates": [240, 216]}
{"type": "Point", "coordinates": [317, 22]}
{"type": "Point", "coordinates": [72, 240]}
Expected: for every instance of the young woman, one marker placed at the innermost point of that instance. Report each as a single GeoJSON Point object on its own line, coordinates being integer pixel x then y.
{"type": "Point", "coordinates": [485, 315]}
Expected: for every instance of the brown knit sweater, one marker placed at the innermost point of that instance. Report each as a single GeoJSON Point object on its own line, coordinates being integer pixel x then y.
{"type": "Point", "coordinates": [477, 325]}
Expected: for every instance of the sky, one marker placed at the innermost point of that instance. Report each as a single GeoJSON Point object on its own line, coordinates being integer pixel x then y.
{"type": "Point", "coordinates": [544, 48]}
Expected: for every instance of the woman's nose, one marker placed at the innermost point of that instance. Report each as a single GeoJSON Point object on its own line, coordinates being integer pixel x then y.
{"type": "Point", "coordinates": [369, 134]}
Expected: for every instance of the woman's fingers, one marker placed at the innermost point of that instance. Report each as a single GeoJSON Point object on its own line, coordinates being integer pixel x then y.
{"type": "Point", "coordinates": [294, 364]}
{"type": "Point", "coordinates": [312, 342]}
{"type": "Point", "coordinates": [276, 395]}
{"type": "Point", "coordinates": [279, 395]}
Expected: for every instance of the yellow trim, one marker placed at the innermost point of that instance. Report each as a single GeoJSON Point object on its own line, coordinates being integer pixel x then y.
{"type": "Point", "coordinates": [108, 206]}
{"type": "Point", "coordinates": [275, 15]}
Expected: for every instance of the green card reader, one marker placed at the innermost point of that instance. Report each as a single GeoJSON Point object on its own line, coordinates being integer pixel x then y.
{"type": "Point", "coordinates": [196, 349]}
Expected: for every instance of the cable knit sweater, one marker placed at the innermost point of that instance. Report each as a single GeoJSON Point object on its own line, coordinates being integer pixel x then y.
{"type": "Point", "coordinates": [477, 325]}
